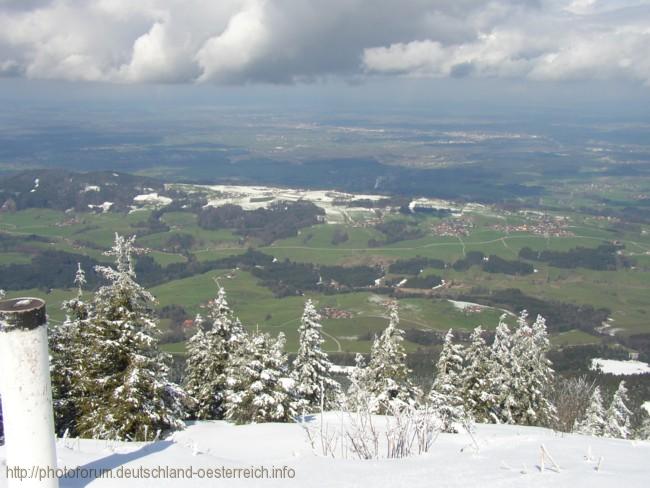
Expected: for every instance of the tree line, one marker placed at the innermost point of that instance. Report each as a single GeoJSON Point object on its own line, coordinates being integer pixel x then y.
{"type": "Point", "coordinates": [603, 258]}
{"type": "Point", "coordinates": [278, 221]}
{"type": "Point", "coordinates": [110, 379]}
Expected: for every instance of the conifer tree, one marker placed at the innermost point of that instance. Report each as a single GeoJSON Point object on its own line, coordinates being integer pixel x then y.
{"type": "Point", "coordinates": [312, 368]}
{"type": "Point", "coordinates": [532, 373]}
{"type": "Point", "coordinates": [542, 376]}
{"type": "Point", "coordinates": [519, 374]}
{"type": "Point", "coordinates": [446, 396]}
{"type": "Point", "coordinates": [644, 429]}
{"type": "Point", "coordinates": [593, 421]}
{"type": "Point", "coordinates": [198, 383]}
{"type": "Point", "coordinates": [387, 377]}
{"type": "Point", "coordinates": [501, 377]}
{"type": "Point", "coordinates": [66, 350]}
{"type": "Point", "coordinates": [617, 419]}
{"type": "Point", "coordinates": [127, 393]}
{"type": "Point", "coordinates": [357, 395]}
{"type": "Point", "coordinates": [219, 338]}
{"type": "Point", "coordinates": [259, 386]}
{"type": "Point", "coordinates": [475, 377]}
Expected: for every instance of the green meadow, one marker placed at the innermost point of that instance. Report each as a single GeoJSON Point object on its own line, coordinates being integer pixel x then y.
{"type": "Point", "coordinates": [624, 291]}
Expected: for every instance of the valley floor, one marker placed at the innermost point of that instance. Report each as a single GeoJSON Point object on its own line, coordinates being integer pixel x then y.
{"type": "Point", "coordinates": [508, 456]}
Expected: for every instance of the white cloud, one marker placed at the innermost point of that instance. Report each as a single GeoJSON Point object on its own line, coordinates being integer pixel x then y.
{"type": "Point", "coordinates": [158, 56]}
{"type": "Point", "coordinates": [236, 41]}
{"type": "Point", "coordinates": [554, 44]}
{"type": "Point", "coordinates": [224, 56]}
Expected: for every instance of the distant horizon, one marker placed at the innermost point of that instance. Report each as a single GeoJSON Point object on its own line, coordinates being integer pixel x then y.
{"type": "Point", "coordinates": [539, 58]}
{"type": "Point", "coordinates": [560, 84]}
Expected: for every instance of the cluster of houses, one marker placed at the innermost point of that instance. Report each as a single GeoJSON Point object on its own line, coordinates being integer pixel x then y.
{"type": "Point", "coordinates": [453, 228]}
{"type": "Point", "coordinates": [335, 313]}
{"type": "Point", "coordinates": [544, 225]}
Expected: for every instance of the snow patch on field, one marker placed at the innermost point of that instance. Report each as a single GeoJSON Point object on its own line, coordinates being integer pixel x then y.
{"type": "Point", "coordinates": [507, 456]}
{"type": "Point", "coordinates": [465, 305]}
{"type": "Point", "coordinates": [620, 368]}
{"type": "Point", "coordinates": [333, 202]}
{"type": "Point", "coordinates": [434, 204]}
{"type": "Point", "coordinates": [608, 328]}
{"type": "Point", "coordinates": [152, 199]}
{"type": "Point", "coordinates": [476, 307]}
{"type": "Point", "coordinates": [254, 197]}
{"type": "Point", "coordinates": [104, 207]}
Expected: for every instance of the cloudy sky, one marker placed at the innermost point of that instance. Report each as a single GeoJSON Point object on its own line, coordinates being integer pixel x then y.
{"type": "Point", "coordinates": [306, 42]}
{"type": "Point", "coordinates": [284, 41]}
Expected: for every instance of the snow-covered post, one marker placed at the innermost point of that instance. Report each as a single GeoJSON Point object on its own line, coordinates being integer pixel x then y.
{"type": "Point", "coordinates": [27, 394]}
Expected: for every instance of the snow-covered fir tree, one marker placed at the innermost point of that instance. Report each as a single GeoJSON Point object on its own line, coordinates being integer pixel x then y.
{"type": "Point", "coordinates": [219, 338]}
{"type": "Point", "coordinates": [66, 350]}
{"type": "Point", "coordinates": [617, 419]}
{"type": "Point", "coordinates": [593, 422]}
{"type": "Point", "coordinates": [124, 376]}
{"type": "Point", "coordinates": [475, 377]}
{"type": "Point", "coordinates": [502, 369]}
{"type": "Point", "coordinates": [446, 396]}
{"type": "Point", "coordinates": [532, 373]}
{"type": "Point", "coordinates": [643, 432]}
{"type": "Point", "coordinates": [311, 370]}
{"type": "Point", "coordinates": [259, 387]}
{"type": "Point", "coordinates": [519, 374]}
{"type": "Point", "coordinates": [197, 379]}
{"type": "Point", "coordinates": [356, 396]}
{"type": "Point", "coordinates": [386, 378]}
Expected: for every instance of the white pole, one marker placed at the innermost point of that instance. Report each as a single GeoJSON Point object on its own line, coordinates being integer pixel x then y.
{"type": "Point", "coordinates": [27, 394]}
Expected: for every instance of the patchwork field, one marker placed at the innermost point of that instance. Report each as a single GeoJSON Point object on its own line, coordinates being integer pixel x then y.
{"type": "Point", "coordinates": [351, 236]}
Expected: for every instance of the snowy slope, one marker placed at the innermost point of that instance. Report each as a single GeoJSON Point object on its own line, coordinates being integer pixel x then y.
{"type": "Point", "coordinates": [508, 457]}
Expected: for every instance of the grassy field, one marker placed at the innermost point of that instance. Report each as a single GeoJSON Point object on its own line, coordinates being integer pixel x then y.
{"type": "Point", "coordinates": [624, 292]}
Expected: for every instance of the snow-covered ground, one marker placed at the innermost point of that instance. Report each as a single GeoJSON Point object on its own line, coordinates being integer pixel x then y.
{"type": "Point", "coordinates": [507, 456]}
{"type": "Point", "coordinates": [151, 199]}
{"type": "Point", "coordinates": [254, 197]}
{"type": "Point", "coordinates": [434, 203]}
{"type": "Point", "coordinates": [465, 305]}
{"type": "Point", "coordinates": [462, 306]}
{"type": "Point", "coordinates": [607, 327]}
{"type": "Point", "coordinates": [104, 207]}
{"type": "Point", "coordinates": [620, 368]}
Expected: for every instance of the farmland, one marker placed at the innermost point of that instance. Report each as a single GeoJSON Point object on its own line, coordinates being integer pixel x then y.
{"type": "Point", "coordinates": [475, 249]}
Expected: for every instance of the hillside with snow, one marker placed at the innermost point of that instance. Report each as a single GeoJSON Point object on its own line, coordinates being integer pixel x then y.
{"type": "Point", "coordinates": [503, 456]}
